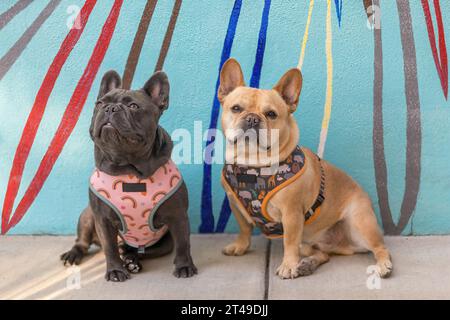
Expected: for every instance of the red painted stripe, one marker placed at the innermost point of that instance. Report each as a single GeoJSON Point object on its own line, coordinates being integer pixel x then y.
{"type": "Point", "coordinates": [442, 63]}
{"type": "Point", "coordinates": [71, 115]}
{"type": "Point", "coordinates": [442, 48]}
{"type": "Point", "coordinates": [37, 112]}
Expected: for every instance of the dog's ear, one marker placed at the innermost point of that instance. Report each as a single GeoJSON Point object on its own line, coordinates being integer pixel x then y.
{"type": "Point", "coordinates": [111, 80]}
{"type": "Point", "coordinates": [289, 88]}
{"type": "Point", "coordinates": [157, 87]}
{"type": "Point", "coordinates": [231, 77]}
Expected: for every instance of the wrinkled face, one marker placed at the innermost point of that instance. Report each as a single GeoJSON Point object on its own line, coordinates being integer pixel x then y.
{"type": "Point", "coordinates": [125, 121]}
{"type": "Point", "coordinates": [265, 114]}
{"type": "Point", "coordinates": [261, 111]}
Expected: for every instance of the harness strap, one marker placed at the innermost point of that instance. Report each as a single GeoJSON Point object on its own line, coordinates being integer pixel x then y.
{"type": "Point", "coordinates": [320, 198]}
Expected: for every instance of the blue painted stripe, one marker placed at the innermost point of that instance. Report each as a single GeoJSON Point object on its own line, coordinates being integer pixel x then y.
{"type": "Point", "coordinates": [254, 82]}
{"type": "Point", "coordinates": [338, 4]}
{"type": "Point", "coordinates": [225, 213]}
{"type": "Point", "coordinates": [207, 217]}
{"type": "Point", "coordinates": [256, 74]}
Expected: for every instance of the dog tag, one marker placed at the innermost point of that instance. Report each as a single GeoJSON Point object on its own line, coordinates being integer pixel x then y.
{"type": "Point", "coordinates": [246, 178]}
{"type": "Point", "coordinates": [134, 187]}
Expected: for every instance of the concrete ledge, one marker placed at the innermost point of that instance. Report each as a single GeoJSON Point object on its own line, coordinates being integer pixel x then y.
{"type": "Point", "coordinates": [30, 269]}
{"type": "Point", "coordinates": [420, 272]}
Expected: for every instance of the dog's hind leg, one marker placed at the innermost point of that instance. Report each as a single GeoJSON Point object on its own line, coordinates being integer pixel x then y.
{"type": "Point", "coordinates": [336, 240]}
{"type": "Point", "coordinates": [86, 235]}
{"type": "Point", "coordinates": [161, 248]}
{"type": "Point", "coordinates": [311, 259]}
{"type": "Point", "coordinates": [131, 257]}
{"type": "Point", "coordinates": [365, 233]}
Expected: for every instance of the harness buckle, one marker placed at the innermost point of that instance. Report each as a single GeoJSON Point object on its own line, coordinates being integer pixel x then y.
{"type": "Point", "coordinates": [309, 214]}
{"type": "Point", "coordinates": [320, 198]}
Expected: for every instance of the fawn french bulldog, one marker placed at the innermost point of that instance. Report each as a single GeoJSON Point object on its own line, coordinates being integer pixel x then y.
{"type": "Point", "coordinates": [315, 207]}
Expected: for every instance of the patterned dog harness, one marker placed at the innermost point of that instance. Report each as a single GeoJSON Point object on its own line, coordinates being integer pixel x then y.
{"type": "Point", "coordinates": [136, 201]}
{"type": "Point", "coordinates": [255, 186]}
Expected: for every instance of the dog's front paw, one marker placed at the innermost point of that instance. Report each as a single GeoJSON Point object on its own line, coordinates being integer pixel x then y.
{"type": "Point", "coordinates": [235, 249]}
{"type": "Point", "coordinates": [131, 262]}
{"type": "Point", "coordinates": [288, 270]}
{"type": "Point", "coordinates": [185, 271]}
{"type": "Point", "coordinates": [117, 274]}
{"type": "Point", "coordinates": [385, 268]}
{"type": "Point", "coordinates": [73, 256]}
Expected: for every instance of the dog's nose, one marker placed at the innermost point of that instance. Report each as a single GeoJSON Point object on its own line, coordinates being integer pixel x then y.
{"type": "Point", "coordinates": [252, 121]}
{"type": "Point", "coordinates": [109, 109]}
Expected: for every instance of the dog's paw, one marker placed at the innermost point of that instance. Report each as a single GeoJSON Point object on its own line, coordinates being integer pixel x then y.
{"type": "Point", "coordinates": [288, 270]}
{"type": "Point", "coordinates": [119, 274]}
{"type": "Point", "coordinates": [235, 249]}
{"type": "Point", "coordinates": [131, 262]}
{"type": "Point", "coordinates": [384, 268]}
{"type": "Point", "coordinates": [71, 257]}
{"type": "Point", "coordinates": [185, 271]}
{"type": "Point", "coordinates": [307, 266]}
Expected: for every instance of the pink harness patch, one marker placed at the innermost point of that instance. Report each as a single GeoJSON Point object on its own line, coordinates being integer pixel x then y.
{"type": "Point", "coordinates": [136, 201]}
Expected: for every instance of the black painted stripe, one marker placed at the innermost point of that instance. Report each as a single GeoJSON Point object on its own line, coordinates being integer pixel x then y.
{"type": "Point", "coordinates": [7, 61]}
{"type": "Point", "coordinates": [138, 42]}
{"type": "Point", "coordinates": [414, 125]}
{"type": "Point", "coordinates": [168, 36]}
{"type": "Point", "coordinates": [9, 14]}
{"type": "Point", "coordinates": [413, 131]}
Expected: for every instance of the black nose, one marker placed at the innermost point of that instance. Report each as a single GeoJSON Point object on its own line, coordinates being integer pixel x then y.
{"type": "Point", "coordinates": [109, 109]}
{"type": "Point", "coordinates": [252, 121]}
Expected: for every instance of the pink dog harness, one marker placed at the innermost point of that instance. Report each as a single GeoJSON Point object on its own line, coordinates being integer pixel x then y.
{"type": "Point", "coordinates": [136, 201]}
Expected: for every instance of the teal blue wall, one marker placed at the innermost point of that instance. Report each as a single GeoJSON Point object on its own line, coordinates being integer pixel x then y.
{"type": "Point", "coordinates": [192, 64]}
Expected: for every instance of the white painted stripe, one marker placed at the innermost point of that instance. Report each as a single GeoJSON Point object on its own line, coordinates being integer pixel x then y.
{"type": "Point", "coordinates": [329, 93]}
{"type": "Point", "coordinates": [305, 36]}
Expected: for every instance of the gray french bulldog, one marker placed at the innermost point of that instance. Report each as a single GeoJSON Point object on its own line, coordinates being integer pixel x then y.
{"type": "Point", "coordinates": [129, 141]}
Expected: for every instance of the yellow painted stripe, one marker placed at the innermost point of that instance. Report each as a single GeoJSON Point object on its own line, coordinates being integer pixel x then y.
{"type": "Point", "coordinates": [305, 35]}
{"type": "Point", "coordinates": [329, 93]}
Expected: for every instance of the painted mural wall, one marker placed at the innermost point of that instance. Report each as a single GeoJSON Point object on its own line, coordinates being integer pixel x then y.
{"type": "Point", "coordinates": [374, 99]}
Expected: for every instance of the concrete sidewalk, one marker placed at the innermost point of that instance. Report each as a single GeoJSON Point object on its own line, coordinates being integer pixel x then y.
{"type": "Point", "coordinates": [30, 269]}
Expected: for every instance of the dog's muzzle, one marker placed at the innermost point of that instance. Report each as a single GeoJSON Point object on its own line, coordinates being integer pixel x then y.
{"type": "Point", "coordinates": [252, 121]}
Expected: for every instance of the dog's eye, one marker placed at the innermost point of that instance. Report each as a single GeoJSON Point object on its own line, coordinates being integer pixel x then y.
{"type": "Point", "coordinates": [236, 108]}
{"type": "Point", "coordinates": [98, 104]}
{"type": "Point", "coordinates": [271, 115]}
{"type": "Point", "coordinates": [133, 106]}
